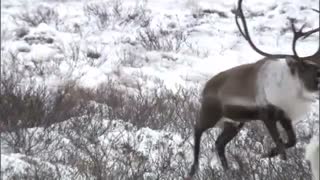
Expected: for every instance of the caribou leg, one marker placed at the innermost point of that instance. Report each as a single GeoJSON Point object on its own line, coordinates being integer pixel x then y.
{"type": "Point", "coordinates": [287, 125]}
{"type": "Point", "coordinates": [210, 114]}
{"type": "Point", "coordinates": [270, 115]}
{"type": "Point", "coordinates": [196, 150]}
{"type": "Point", "coordinates": [280, 148]}
{"type": "Point", "coordinates": [239, 114]}
{"type": "Point", "coordinates": [230, 130]}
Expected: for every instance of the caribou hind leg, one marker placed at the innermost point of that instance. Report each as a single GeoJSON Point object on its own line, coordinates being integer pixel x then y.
{"type": "Point", "coordinates": [230, 130]}
{"type": "Point", "coordinates": [210, 114]}
{"type": "Point", "coordinates": [196, 151]}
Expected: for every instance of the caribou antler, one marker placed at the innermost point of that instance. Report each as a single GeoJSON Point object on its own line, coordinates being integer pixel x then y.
{"type": "Point", "coordinates": [246, 35]}
{"type": "Point", "coordinates": [296, 35]}
{"type": "Point", "coordinates": [300, 34]}
{"type": "Point", "coordinates": [318, 11]}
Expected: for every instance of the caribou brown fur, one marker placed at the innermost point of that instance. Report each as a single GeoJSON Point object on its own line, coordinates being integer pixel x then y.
{"type": "Point", "coordinates": [276, 89]}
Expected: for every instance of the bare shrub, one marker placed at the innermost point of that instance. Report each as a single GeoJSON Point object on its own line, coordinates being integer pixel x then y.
{"type": "Point", "coordinates": [101, 12]}
{"type": "Point", "coordinates": [101, 148]}
{"type": "Point", "coordinates": [117, 8]}
{"type": "Point", "coordinates": [24, 49]}
{"type": "Point", "coordinates": [93, 54]}
{"type": "Point", "coordinates": [96, 144]}
{"type": "Point", "coordinates": [129, 58]}
{"type": "Point", "coordinates": [159, 108]}
{"type": "Point", "coordinates": [34, 17]}
{"type": "Point", "coordinates": [161, 40]}
{"type": "Point", "coordinates": [113, 13]}
{"type": "Point", "coordinates": [19, 107]}
{"type": "Point", "coordinates": [29, 106]}
{"type": "Point", "coordinates": [104, 149]}
{"type": "Point", "coordinates": [202, 12]}
{"type": "Point", "coordinates": [72, 52]}
{"type": "Point", "coordinates": [139, 15]}
{"type": "Point", "coordinates": [214, 11]}
{"type": "Point", "coordinates": [38, 40]}
{"type": "Point", "coordinates": [20, 69]}
{"type": "Point", "coordinates": [29, 142]}
{"type": "Point", "coordinates": [86, 153]}
{"type": "Point", "coordinates": [24, 103]}
{"type": "Point", "coordinates": [73, 55]}
{"type": "Point", "coordinates": [195, 50]}
{"type": "Point", "coordinates": [252, 14]}
{"type": "Point", "coordinates": [21, 32]}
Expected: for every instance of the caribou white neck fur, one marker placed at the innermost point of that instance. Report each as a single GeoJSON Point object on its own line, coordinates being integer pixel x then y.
{"type": "Point", "coordinates": [276, 85]}
{"type": "Point", "coordinates": [266, 82]}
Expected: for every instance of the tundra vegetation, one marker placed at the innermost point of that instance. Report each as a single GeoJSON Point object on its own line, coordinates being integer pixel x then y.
{"type": "Point", "coordinates": [112, 89]}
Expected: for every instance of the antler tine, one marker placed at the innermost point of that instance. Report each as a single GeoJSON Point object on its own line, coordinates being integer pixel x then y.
{"type": "Point", "coordinates": [296, 36]}
{"type": "Point", "coordinates": [238, 13]}
{"type": "Point", "coordinates": [318, 11]}
{"type": "Point", "coordinates": [245, 33]}
{"type": "Point", "coordinates": [307, 34]}
{"type": "Point", "coordinates": [303, 35]}
{"type": "Point", "coordinates": [240, 29]}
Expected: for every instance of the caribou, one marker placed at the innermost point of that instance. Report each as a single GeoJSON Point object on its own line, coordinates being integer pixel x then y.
{"type": "Point", "coordinates": [279, 88]}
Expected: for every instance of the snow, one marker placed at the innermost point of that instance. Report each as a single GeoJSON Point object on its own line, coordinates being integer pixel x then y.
{"type": "Point", "coordinates": [13, 161]}
{"type": "Point", "coordinates": [213, 44]}
{"type": "Point", "coordinates": [312, 155]}
{"type": "Point", "coordinates": [216, 35]}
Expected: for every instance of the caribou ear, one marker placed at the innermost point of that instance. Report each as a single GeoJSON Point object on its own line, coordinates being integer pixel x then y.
{"type": "Point", "coordinates": [312, 63]}
{"type": "Point", "coordinates": [292, 63]}
{"type": "Point", "coordinates": [291, 60]}
{"type": "Point", "coordinates": [316, 60]}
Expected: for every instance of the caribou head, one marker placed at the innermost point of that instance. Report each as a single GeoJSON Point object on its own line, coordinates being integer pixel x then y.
{"type": "Point", "coordinates": [278, 88]}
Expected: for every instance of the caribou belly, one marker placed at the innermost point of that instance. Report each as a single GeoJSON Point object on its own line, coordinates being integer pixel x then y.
{"type": "Point", "coordinates": [278, 86]}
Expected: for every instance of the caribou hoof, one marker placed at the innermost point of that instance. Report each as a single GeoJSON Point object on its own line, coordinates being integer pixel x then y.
{"type": "Point", "coordinates": [283, 156]}
{"type": "Point", "coordinates": [225, 165]}
{"type": "Point", "coordinates": [274, 152]}
{"type": "Point", "coordinates": [269, 155]}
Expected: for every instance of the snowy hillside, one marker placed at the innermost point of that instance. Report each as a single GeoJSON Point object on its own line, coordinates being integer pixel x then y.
{"type": "Point", "coordinates": [122, 79]}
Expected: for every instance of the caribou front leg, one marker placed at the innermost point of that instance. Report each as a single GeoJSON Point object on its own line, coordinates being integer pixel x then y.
{"type": "Point", "coordinates": [280, 147]}
{"type": "Point", "coordinates": [292, 140]}
{"type": "Point", "coordinates": [270, 115]}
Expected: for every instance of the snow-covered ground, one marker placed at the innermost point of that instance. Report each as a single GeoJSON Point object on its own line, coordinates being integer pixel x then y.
{"type": "Point", "coordinates": [188, 47]}
{"type": "Point", "coordinates": [212, 42]}
{"type": "Point", "coordinates": [312, 154]}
